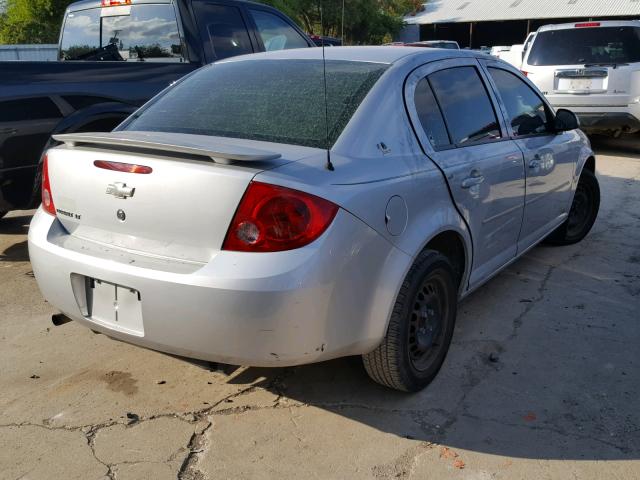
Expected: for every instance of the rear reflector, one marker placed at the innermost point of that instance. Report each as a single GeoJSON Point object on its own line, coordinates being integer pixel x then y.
{"type": "Point", "coordinates": [123, 167]}
{"type": "Point", "coordinates": [115, 3]}
{"type": "Point", "coordinates": [587, 24]}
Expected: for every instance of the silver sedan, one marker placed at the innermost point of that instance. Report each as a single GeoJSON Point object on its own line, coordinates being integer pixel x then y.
{"type": "Point", "coordinates": [284, 208]}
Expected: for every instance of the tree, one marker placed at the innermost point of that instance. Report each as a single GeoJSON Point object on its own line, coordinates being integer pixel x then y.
{"type": "Point", "coordinates": [31, 21]}
{"type": "Point", "coordinates": [365, 21]}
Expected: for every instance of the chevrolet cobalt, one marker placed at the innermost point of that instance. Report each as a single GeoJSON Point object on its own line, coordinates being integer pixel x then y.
{"type": "Point", "coordinates": [288, 207]}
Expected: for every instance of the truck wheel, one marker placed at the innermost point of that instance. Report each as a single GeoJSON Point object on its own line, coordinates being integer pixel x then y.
{"type": "Point", "coordinates": [583, 214]}
{"type": "Point", "coordinates": [421, 326]}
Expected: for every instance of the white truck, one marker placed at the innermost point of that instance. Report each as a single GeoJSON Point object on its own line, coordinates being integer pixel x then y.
{"type": "Point", "coordinates": [592, 69]}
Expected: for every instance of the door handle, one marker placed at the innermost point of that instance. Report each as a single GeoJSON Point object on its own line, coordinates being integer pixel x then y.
{"type": "Point", "coordinates": [8, 131]}
{"type": "Point", "coordinates": [476, 178]}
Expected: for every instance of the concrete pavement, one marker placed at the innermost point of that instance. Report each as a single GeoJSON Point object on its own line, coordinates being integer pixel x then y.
{"type": "Point", "coordinates": [542, 381]}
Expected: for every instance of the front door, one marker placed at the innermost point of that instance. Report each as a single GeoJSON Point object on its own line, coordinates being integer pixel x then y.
{"type": "Point", "coordinates": [453, 112]}
{"type": "Point", "coordinates": [550, 157]}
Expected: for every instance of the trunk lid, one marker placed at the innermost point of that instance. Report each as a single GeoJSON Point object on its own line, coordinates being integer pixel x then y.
{"type": "Point", "coordinates": [180, 210]}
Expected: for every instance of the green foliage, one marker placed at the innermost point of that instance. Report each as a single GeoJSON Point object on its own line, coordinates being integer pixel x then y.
{"type": "Point", "coordinates": [365, 21]}
{"type": "Point", "coordinates": [31, 21]}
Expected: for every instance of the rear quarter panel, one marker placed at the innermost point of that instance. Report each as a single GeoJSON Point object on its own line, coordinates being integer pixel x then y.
{"type": "Point", "coordinates": [367, 175]}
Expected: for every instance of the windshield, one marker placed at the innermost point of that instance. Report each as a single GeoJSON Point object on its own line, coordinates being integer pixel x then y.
{"type": "Point", "coordinates": [144, 32]}
{"type": "Point", "coordinates": [278, 101]}
{"type": "Point", "coordinates": [582, 46]}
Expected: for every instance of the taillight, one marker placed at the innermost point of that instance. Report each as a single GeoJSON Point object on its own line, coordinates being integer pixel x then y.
{"type": "Point", "coordinates": [587, 24]}
{"type": "Point", "coordinates": [526, 74]}
{"type": "Point", "coordinates": [47, 198]}
{"type": "Point", "coordinates": [271, 218]}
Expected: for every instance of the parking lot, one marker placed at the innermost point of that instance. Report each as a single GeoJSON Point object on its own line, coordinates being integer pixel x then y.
{"type": "Point", "coordinates": [542, 381]}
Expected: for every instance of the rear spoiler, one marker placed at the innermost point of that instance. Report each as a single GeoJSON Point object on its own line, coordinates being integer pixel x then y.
{"type": "Point", "coordinates": [212, 147]}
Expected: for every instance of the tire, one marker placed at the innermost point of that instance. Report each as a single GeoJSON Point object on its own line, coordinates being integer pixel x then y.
{"type": "Point", "coordinates": [583, 213]}
{"type": "Point", "coordinates": [421, 326]}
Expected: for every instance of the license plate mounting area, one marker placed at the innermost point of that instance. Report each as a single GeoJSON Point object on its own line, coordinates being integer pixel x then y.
{"type": "Point", "coordinates": [114, 306]}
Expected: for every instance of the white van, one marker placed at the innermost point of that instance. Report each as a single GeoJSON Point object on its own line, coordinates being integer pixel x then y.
{"type": "Point", "coordinates": [591, 68]}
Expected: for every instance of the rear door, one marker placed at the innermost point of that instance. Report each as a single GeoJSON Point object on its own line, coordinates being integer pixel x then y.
{"type": "Point", "coordinates": [461, 131]}
{"type": "Point", "coordinates": [223, 29]}
{"type": "Point", "coordinates": [550, 157]}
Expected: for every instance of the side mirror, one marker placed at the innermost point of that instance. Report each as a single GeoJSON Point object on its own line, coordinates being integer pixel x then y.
{"type": "Point", "coordinates": [565, 120]}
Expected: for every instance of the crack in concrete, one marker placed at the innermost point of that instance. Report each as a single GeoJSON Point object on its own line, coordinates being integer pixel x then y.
{"type": "Point", "coordinates": [90, 436]}
{"type": "Point", "coordinates": [404, 465]}
{"type": "Point", "coordinates": [197, 444]}
{"type": "Point", "coordinates": [187, 470]}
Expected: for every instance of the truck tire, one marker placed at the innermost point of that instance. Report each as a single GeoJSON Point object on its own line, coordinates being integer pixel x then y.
{"type": "Point", "coordinates": [421, 326]}
{"type": "Point", "coordinates": [583, 213]}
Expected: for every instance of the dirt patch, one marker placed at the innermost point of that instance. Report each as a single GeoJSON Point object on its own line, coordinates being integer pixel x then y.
{"type": "Point", "coordinates": [121, 382]}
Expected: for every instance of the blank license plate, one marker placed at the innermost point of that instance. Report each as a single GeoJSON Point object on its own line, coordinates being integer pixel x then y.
{"type": "Point", "coordinates": [581, 84]}
{"type": "Point", "coordinates": [115, 306]}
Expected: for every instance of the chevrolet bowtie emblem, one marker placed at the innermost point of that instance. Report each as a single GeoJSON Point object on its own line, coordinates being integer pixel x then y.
{"type": "Point", "coordinates": [120, 190]}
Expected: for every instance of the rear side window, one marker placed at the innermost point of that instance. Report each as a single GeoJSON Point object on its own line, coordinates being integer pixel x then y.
{"type": "Point", "coordinates": [276, 34]}
{"type": "Point", "coordinates": [527, 112]}
{"type": "Point", "coordinates": [465, 104]}
{"type": "Point", "coordinates": [225, 29]}
{"type": "Point", "coordinates": [430, 115]}
{"type": "Point", "coordinates": [278, 101]}
{"type": "Point", "coordinates": [581, 46]}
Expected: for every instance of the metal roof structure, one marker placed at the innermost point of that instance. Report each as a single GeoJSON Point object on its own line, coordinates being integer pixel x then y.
{"type": "Point", "coordinates": [461, 11]}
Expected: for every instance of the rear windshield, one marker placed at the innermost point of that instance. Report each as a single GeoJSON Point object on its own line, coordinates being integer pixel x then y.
{"type": "Point", "coordinates": [581, 46]}
{"type": "Point", "coordinates": [447, 45]}
{"type": "Point", "coordinates": [278, 101]}
{"type": "Point", "coordinates": [146, 32]}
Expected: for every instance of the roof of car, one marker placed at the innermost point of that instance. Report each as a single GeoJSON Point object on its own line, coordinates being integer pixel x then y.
{"type": "Point", "coordinates": [600, 23]}
{"type": "Point", "coordinates": [380, 54]}
{"type": "Point", "coordinates": [85, 4]}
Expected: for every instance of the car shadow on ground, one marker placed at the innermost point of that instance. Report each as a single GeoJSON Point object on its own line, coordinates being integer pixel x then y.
{"type": "Point", "coordinates": [543, 364]}
{"type": "Point", "coordinates": [15, 225]}
{"type": "Point", "coordinates": [627, 146]}
{"type": "Point", "coordinates": [18, 252]}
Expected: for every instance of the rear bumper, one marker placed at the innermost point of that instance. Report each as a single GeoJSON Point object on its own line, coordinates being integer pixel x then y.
{"type": "Point", "coordinates": [331, 298]}
{"type": "Point", "coordinates": [594, 119]}
{"type": "Point", "coordinates": [593, 122]}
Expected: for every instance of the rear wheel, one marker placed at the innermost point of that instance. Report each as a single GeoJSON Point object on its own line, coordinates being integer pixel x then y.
{"type": "Point", "coordinates": [583, 214]}
{"type": "Point", "coordinates": [420, 329]}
